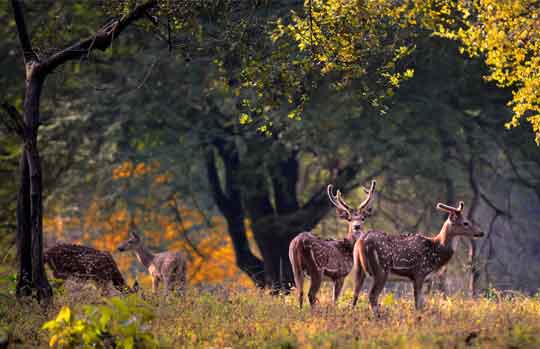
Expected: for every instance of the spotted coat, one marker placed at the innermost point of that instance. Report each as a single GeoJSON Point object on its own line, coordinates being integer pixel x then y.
{"type": "Point", "coordinates": [407, 256]}
{"type": "Point", "coordinates": [86, 263]}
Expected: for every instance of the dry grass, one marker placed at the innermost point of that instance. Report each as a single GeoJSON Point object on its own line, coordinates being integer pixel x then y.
{"type": "Point", "coordinates": [231, 317]}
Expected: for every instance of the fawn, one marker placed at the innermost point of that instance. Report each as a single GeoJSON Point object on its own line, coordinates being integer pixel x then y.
{"type": "Point", "coordinates": [169, 267]}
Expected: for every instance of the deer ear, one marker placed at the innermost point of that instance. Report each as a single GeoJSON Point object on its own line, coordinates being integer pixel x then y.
{"type": "Point", "coordinates": [444, 208]}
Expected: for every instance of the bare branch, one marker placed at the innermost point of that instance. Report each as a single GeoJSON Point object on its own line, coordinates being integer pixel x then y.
{"type": "Point", "coordinates": [100, 41]}
{"type": "Point", "coordinates": [26, 45]}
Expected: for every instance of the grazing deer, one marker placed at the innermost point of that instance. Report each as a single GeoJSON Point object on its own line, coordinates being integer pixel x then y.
{"type": "Point", "coordinates": [413, 257]}
{"type": "Point", "coordinates": [332, 258]}
{"type": "Point", "coordinates": [169, 267]}
{"type": "Point", "coordinates": [86, 263]}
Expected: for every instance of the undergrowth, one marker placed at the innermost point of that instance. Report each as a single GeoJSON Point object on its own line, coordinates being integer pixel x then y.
{"type": "Point", "coordinates": [240, 318]}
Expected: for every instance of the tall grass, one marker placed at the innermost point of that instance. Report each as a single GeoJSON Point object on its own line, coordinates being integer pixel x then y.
{"type": "Point", "coordinates": [247, 318]}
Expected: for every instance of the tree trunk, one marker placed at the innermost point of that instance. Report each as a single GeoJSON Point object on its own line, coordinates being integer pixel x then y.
{"type": "Point", "coordinates": [24, 233]}
{"type": "Point", "coordinates": [229, 201]}
{"type": "Point", "coordinates": [31, 188]}
{"type": "Point", "coordinates": [245, 260]}
{"type": "Point", "coordinates": [274, 246]}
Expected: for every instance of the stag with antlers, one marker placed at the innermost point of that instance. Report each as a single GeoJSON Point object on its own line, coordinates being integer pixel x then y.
{"type": "Point", "coordinates": [332, 258]}
{"type": "Point", "coordinates": [413, 257]}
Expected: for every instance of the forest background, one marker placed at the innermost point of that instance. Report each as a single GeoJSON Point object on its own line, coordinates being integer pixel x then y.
{"type": "Point", "coordinates": [213, 128]}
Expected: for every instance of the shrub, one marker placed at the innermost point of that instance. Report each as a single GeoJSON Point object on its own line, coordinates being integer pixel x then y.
{"type": "Point", "coordinates": [119, 323]}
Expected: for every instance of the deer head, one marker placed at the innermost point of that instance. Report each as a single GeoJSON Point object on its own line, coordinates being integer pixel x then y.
{"type": "Point", "coordinates": [130, 244]}
{"type": "Point", "coordinates": [354, 216]}
{"type": "Point", "coordinates": [457, 224]}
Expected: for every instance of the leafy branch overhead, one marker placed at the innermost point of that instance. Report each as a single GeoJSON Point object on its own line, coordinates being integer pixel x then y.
{"type": "Point", "coordinates": [341, 45]}
{"type": "Point", "coordinates": [365, 45]}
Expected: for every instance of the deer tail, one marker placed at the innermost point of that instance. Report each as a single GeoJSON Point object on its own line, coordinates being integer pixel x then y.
{"type": "Point", "coordinates": [295, 250]}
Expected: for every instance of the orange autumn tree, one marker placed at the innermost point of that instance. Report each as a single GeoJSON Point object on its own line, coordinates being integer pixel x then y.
{"type": "Point", "coordinates": [172, 225]}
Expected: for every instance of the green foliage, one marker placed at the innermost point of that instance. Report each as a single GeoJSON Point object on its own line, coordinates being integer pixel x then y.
{"type": "Point", "coordinates": [120, 323]}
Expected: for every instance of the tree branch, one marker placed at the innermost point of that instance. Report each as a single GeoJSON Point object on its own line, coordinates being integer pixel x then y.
{"type": "Point", "coordinates": [100, 41]}
{"type": "Point", "coordinates": [213, 179]}
{"type": "Point", "coordinates": [26, 45]}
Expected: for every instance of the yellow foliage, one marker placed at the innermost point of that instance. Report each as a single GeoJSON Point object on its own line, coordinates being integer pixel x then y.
{"type": "Point", "coordinates": [506, 34]}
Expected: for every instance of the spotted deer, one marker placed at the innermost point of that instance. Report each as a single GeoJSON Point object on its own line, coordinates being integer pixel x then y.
{"type": "Point", "coordinates": [413, 257]}
{"type": "Point", "coordinates": [317, 257]}
{"type": "Point", "coordinates": [85, 263]}
{"type": "Point", "coordinates": [169, 267]}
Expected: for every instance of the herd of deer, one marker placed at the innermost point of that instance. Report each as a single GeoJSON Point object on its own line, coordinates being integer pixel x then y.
{"type": "Point", "coordinates": [371, 252]}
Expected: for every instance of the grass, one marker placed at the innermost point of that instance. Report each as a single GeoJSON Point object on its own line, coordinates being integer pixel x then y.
{"type": "Point", "coordinates": [246, 318]}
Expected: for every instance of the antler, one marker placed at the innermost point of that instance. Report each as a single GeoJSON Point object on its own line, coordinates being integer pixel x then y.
{"type": "Point", "coordinates": [370, 194]}
{"type": "Point", "coordinates": [336, 199]}
{"type": "Point", "coordinates": [450, 209]}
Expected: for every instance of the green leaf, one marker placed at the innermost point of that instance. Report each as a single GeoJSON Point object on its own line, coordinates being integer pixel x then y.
{"type": "Point", "coordinates": [105, 317]}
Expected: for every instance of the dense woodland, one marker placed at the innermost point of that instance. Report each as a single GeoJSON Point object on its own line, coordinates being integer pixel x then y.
{"type": "Point", "coordinates": [214, 127]}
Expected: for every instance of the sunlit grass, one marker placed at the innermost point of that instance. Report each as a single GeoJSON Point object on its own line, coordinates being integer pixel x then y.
{"type": "Point", "coordinates": [247, 318]}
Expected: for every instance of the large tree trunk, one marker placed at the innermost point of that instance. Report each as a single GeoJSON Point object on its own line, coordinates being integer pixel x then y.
{"type": "Point", "coordinates": [245, 259]}
{"type": "Point", "coordinates": [229, 201]}
{"type": "Point", "coordinates": [273, 243]}
{"type": "Point", "coordinates": [264, 189]}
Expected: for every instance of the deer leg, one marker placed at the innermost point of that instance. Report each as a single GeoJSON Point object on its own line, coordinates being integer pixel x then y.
{"type": "Point", "coordinates": [169, 285]}
{"type": "Point", "coordinates": [316, 280]}
{"type": "Point", "coordinates": [417, 285]}
{"type": "Point", "coordinates": [359, 277]}
{"type": "Point", "coordinates": [181, 284]}
{"type": "Point", "coordinates": [338, 285]}
{"type": "Point", "coordinates": [376, 288]}
{"type": "Point", "coordinates": [299, 284]}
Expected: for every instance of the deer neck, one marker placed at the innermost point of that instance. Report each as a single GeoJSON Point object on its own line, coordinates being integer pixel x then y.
{"type": "Point", "coordinates": [444, 238]}
{"type": "Point", "coordinates": [144, 256]}
{"type": "Point", "coordinates": [350, 236]}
